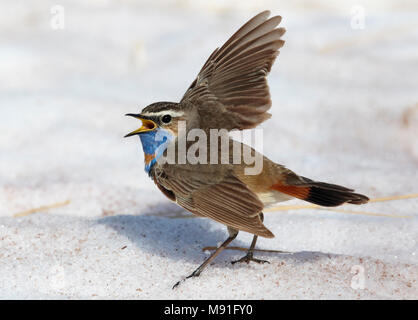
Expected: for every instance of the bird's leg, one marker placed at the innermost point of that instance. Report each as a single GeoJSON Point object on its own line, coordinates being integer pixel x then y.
{"type": "Point", "coordinates": [232, 235]}
{"type": "Point", "coordinates": [250, 253]}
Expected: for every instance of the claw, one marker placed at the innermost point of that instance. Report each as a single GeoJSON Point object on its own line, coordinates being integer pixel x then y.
{"type": "Point", "coordinates": [195, 273]}
{"type": "Point", "coordinates": [249, 257]}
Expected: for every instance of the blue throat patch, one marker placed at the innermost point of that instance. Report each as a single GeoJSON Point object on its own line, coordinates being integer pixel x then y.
{"type": "Point", "coordinates": [154, 144]}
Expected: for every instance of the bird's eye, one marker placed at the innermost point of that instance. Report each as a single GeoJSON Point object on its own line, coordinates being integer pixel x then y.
{"type": "Point", "coordinates": [166, 118]}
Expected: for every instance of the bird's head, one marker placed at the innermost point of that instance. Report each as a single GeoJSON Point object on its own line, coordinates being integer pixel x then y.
{"type": "Point", "coordinates": [160, 116]}
{"type": "Point", "coordinates": [160, 125]}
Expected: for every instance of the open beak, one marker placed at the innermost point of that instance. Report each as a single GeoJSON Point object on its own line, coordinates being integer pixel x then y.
{"type": "Point", "coordinates": [147, 125]}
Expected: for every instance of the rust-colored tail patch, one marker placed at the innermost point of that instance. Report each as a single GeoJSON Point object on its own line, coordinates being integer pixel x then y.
{"type": "Point", "coordinates": [321, 193]}
{"type": "Point", "coordinates": [297, 192]}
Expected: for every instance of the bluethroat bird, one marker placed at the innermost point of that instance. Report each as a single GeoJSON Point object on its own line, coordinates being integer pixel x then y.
{"type": "Point", "coordinates": [231, 93]}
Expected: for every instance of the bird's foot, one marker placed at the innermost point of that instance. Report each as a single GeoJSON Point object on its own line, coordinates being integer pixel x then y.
{"type": "Point", "coordinates": [195, 273]}
{"type": "Point", "coordinates": [249, 257]}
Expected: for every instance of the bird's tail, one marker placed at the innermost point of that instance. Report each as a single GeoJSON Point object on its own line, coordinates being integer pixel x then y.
{"type": "Point", "coordinates": [321, 193]}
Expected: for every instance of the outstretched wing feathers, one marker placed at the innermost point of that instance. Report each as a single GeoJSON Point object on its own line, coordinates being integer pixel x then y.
{"type": "Point", "coordinates": [233, 79]}
{"type": "Point", "coordinates": [246, 28]}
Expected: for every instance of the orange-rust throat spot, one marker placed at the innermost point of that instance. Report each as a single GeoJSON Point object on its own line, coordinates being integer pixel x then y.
{"type": "Point", "coordinates": [149, 157]}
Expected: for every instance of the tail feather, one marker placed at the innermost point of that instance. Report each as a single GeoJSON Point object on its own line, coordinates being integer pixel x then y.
{"type": "Point", "coordinates": [321, 193]}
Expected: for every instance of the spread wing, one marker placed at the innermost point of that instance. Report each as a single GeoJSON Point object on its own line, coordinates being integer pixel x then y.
{"type": "Point", "coordinates": [233, 79]}
{"type": "Point", "coordinates": [227, 201]}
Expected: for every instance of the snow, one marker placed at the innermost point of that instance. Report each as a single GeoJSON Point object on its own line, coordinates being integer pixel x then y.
{"type": "Point", "coordinates": [345, 110]}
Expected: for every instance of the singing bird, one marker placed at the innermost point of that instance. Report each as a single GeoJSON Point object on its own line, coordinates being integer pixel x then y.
{"type": "Point", "coordinates": [230, 92]}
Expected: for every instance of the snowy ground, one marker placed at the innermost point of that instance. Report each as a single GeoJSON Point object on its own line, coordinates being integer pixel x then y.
{"type": "Point", "coordinates": [345, 110]}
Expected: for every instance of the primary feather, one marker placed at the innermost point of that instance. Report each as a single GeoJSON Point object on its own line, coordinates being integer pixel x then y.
{"type": "Point", "coordinates": [232, 84]}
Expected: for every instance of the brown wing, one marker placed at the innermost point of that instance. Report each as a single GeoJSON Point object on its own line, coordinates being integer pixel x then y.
{"type": "Point", "coordinates": [233, 79]}
{"type": "Point", "coordinates": [227, 201]}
